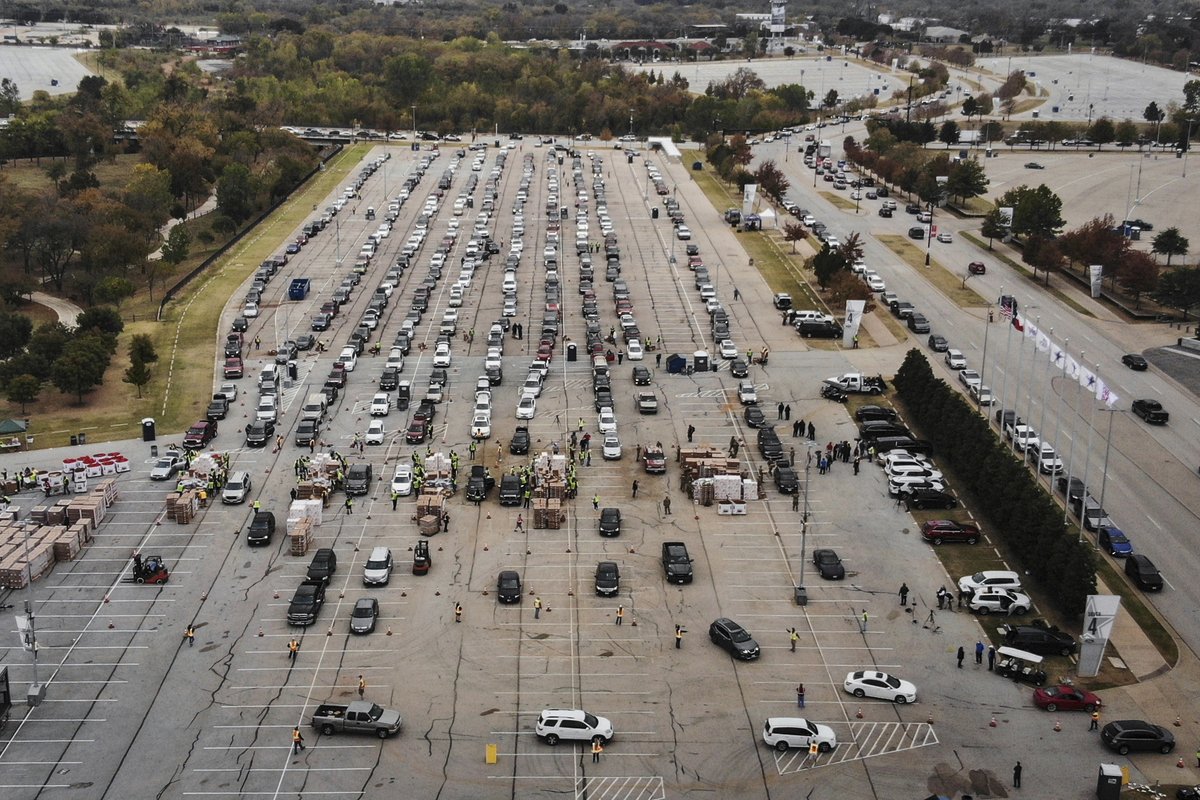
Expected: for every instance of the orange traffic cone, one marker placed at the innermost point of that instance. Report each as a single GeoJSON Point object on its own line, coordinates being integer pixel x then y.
{"type": "Point", "coordinates": [1057, 726]}
{"type": "Point", "coordinates": [993, 723]}
{"type": "Point", "coordinates": [858, 714]}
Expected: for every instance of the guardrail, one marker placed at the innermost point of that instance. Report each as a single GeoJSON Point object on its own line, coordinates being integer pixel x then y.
{"type": "Point", "coordinates": [169, 295]}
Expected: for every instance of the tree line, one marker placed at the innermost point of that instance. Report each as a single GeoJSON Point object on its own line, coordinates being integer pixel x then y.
{"type": "Point", "coordinates": [1024, 518]}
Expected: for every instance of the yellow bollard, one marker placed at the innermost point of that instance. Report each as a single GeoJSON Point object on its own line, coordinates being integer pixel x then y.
{"type": "Point", "coordinates": [490, 756]}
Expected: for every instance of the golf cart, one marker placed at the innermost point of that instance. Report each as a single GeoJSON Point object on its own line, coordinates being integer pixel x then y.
{"type": "Point", "coordinates": [1020, 666]}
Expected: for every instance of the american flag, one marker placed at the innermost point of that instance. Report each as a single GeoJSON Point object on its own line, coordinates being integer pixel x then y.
{"type": "Point", "coordinates": [1006, 310]}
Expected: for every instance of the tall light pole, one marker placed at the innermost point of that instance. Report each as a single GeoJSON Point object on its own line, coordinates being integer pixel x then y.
{"type": "Point", "coordinates": [1187, 146]}
{"type": "Point", "coordinates": [631, 122]}
{"type": "Point", "coordinates": [414, 122]}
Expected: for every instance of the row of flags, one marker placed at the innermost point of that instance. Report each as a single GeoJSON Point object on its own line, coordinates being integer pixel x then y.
{"type": "Point", "coordinates": [1090, 381]}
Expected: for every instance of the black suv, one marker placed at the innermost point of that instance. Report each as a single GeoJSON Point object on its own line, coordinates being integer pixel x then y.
{"type": "Point", "coordinates": [259, 432]}
{"type": "Point", "coordinates": [1142, 572]}
{"type": "Point", "coordinates": [479, 484]}
{"type": "Point", "coordinates": [510, 490]}
{"type": "Point", "coordinates": [520, 441]}
{"type": "Point", "coordinates": [734, 638]}
{"type": "Point", "coordinates": [1039, 639]}
{"type": "Point", "coordinates": [323, 565]}
{"type": "Point", "coordinates": [1124, 735]}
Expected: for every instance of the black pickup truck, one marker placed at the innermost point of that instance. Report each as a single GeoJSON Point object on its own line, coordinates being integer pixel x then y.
{"type": "Point", "coordinates": [306, 603]}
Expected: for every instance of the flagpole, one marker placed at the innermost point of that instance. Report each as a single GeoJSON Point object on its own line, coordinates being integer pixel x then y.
{"type": "Point", "coordinates": [1112, 412]}
{"type": "Point", "coordinates": [1004, 386]}
{"type": "Point", "coordinates": [1071, 457]}
{"type": "Point", "coordinates": [1087, 460]}
{"type": "Point", "coordinates": [983, 364]}
{"type": "Point", "coordinates": [1017, 385]}
{"type": "Point", "coordinates": [1029, 384]}
{"type": "Point", "coordinates": [992, 383]}
{"type": "Point", "coordinates": [1042, 419]}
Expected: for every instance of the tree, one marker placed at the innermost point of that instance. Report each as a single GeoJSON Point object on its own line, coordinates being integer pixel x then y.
{"type": "Point", "coordinates": [76, 371]}
{"type": "Point", "coordinates": [15, 330]}
{"type": "Point", "coordinates": [851, 250]}
{"type": "Point", "coordinates": [1096, 242]}
{"type": "Point", "coordinates": [141, 348]}
{"type": "Point", "coordinates": [115, 290]}
{"type": "Point", "coordinates": [830, 100]}
{"type": "Point", "coordinates": [175, 249]}
{"type": "Point", "coordinates": [138, 375]}
{"type": "Point", "coordinates": [1036, 212]}
{"type": "Point", "coordinates": [10, 97]}
{"type": "Point", "coordinates": [994, 226]}
{"type": "Point", "coordinates": [1138, 274]}
{"type": "Point", "coordinates": [24, 389]}
{"type": "Point", "coordinates": [771, 180]}
{"type": "Point", "coordinates": [1102, 131]}
{"type": "Point", "coordinates": [970, 107]}
{"type": "Point", "coordinates": [235, 193]}
{"type": "Point", "coordinates": [1153, 113]}
{"type": "Point", "coordinates": [1126, 133]}
{"type": "Point", "coordinates": [826, 264]}
{"type": "Point", "coordinates": [1179, 288]}
{"type": "Point", "coordinates": [967, 179]}
{"type": "Point", "coordinates": [793, 232]}
{"type": "Point", "coordinates": [1170, 243]}
{"type": "Point", "coordinates": [846, 286]}
{"type": "Point", "coordinates": [948, 135]}
{"type": "Point", "coordinates": [1041, 252]}
{"type": "Point", "coordinates": [102, 318]}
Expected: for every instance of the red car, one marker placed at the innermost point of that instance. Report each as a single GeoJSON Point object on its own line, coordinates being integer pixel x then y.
{"type": "Point", "coordinates": [947, 530]}
{"type": "Point", "coordinates": [1065, 698]}
{"type": "Point", "coordinates": [976, 268]}
{"type": "Point", "coordinates": [233, 368]}
{"type": "Point", "coordinates": [546, 353]}
{"type": "Point", "coordinates": [417, 431]}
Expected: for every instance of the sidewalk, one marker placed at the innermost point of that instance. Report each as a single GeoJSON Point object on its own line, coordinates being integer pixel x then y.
{"type": "Point", "coordinates": [207, 207]}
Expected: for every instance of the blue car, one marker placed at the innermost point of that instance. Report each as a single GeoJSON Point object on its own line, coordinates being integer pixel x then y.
{"type": "Point", "coordinates": [1114, 541]}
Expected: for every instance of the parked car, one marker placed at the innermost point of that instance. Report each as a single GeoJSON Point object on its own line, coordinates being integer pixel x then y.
{"type": "Point", "coordinates": [508, 586]}
{"type": "Point", "coordinates": [1000, 601]}
{"type": "Point", "coordinates": [556, 724]}
{"type": "Point", "coordinates": [930, 498]}
{"type": "Point", "coordinates": [784, 733]}
{"type": "Point", "coordinates": [937, 531]}
{"type": "Point", "coordinates": [1113, 541]}
{"type": "Point", "coordinates": [364, 615]}
{"type": "Point", "coordinates": [1039, 639]}
{"type": "Point", "coordinates": [988, 579]}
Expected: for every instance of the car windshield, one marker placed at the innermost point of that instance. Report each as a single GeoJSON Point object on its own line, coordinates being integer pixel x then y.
{"type": "Point", "coordinates": [591, 720]}
{"type": "Point", "coordinates": [363, 611]}
{"type": "Point", "coordinates": [892, 681]}
{"type": "Point", "coordinates": [234, 485]}
{"type": "Point", "coordinates": [739, 635]}
{"type": "Point", "coordinates": [376, 564]}
{"type": "Point", "coordinates": [164, 463]}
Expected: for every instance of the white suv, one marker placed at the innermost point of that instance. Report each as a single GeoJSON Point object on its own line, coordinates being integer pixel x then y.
{"type": "Point", "coordinates": [555, 724]}
{"type": "Point", "coordinates": [790, 732]}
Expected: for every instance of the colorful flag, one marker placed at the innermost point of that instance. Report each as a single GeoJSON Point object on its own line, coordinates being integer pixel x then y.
{"type": "Point", "coordinates": [1072, 369]}
{"type": "Point", "coordinates": [1087, 379]}
{"type": "Point", "coordinates": [1017, 322]}
{"type": "Point", "coordinates": [1043, 342]}
{"type": "Point", "coordinates": [1104, 394]}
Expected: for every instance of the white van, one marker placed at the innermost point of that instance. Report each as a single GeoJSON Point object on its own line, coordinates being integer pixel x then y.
{"type": "Point", "coordinates": [378, 569]}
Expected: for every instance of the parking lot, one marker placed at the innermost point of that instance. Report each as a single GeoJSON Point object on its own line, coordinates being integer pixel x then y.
{"type": "Point", "coordinates": [686, 717]}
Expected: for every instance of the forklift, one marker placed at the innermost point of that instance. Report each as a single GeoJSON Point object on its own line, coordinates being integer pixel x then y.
{"type": "Point", "coordinates": [421, 559]}
{"type": "Point", "coordinates": [151, 569]}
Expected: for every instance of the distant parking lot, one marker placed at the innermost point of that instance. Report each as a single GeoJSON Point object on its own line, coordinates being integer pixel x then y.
{"type": "Point", "coordinates": [35, 68]}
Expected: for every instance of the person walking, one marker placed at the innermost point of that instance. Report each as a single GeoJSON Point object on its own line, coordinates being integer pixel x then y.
{"type": "Point", "coordinates": [395, 499]}
{"type": "Point", "coordinates": [991, 657]}
{"type": "Point", "coordinates": [1017, 776]}
{"type": "Point", "coordinates": [190, 635]}
{"type": "Point", "coordinates": [595, 502]}
{"type": "Point", "coordinates": [812, 432]}
{"type": "Point", "coordinates": [800, 696]}
{"type": "Point", "coordinates": [293, 649]}
{"type": "Point", "coordinates": [297, 740]}
{"type": "Point", "coordinates": [903, 594]}
{"type": "Point", "coordinates": [796, 501]}
{"type": "Point", "coordinates": [620, 614]}
{"type": "Point", "coordinates": [350, 506]}
{"type": "Point", "coordinates": [961, 655]}
{"type": "Point", "coordinates": [458, 612]}
{"type": "Point", "coordinates": [666, 505]}
{"type": "Point", "coordinates": [1095, 726]}
{"type": "Point", "coordinates": [537, 608]}
{"type": "Point", "coordinates": [445, 522]}
{"type": "Point", "coordinates": [520, 526]}
{"type": "Point", "coordinates": [796, 426]}
{"type": "Point", "coordinates": [690, 432]}
{"type": "Point", "coordinates": [779, 411]}
{"type": "Point", "coordinates": [857, 459]}
{"type": "Point", "coordinates": [679, 632]}
{"type": "Point", "coordinates": [791, 456]}
{"type": "Point", "coordinates": [979, 653]}
{"type": "Point", "coordinates": [787, 411]}
{"type": "Point", "coordinates": [362, 686]}
{"type": "Point", "coordinates": [794, 637]}
{"type": "Point", "coordinates": [635, 488]}
{"type": "Point", "coordinates": [658, 359]}
{"type": "Point", "coordinates": [597, 749]}
{"type": "Point", "coordinates": [864, 621]}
